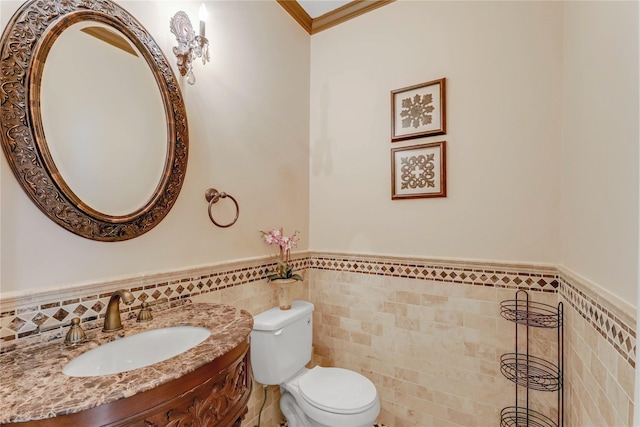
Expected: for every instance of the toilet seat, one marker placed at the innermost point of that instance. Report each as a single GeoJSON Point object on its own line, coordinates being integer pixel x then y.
{"type": "Point", "coordinates": [337, 390]}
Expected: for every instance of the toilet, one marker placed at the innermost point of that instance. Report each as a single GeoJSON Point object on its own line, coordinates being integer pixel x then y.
{"type": "Point", "coordinates": [316, 397]}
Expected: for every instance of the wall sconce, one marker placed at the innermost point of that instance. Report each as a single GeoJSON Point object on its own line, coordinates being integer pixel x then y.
{"type": "Point", "coordinates": [190, 46]}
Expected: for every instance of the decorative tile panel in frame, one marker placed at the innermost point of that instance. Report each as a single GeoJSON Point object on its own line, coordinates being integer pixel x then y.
{"type": "Point", "coordinates": [419, 171]}
{"type": "Point", "coordinates": [418, 111]}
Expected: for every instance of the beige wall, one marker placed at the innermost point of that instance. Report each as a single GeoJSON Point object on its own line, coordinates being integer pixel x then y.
{"type": "Point", "coordinates": [599, 215]}
{"type": "Point", "coordinates": [248, 126]}
{"type": "Point", "coordinates": [503, 64]}
{"type": "Point", "coordinates": [528, 179]}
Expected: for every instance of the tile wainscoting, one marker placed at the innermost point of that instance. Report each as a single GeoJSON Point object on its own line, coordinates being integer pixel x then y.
{"type": "Point", "coordinates": [21, 315]}
{"type": "Point", "coordinates": [600, 340]}
{"type": "Point", "coordinates": [427, 332]}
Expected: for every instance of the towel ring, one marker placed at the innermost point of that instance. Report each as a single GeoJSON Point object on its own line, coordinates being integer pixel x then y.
{"type": "Point", "coordinates": [212, 195]}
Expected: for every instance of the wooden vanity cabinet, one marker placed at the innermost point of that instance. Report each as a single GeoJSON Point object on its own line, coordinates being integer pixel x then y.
{"type": "Point", "coordinates": [214, 395]}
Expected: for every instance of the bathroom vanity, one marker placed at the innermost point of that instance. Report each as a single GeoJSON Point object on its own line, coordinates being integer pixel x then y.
{"type": "Point", "coordinates": [209, 384]}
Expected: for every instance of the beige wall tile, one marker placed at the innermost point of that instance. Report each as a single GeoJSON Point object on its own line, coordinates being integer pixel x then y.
{"type": "Point", "coordinates": [433, 348]}
{"type": "Point", "coordinates": [599, 380]}
{"type": "Point", "coordinates": [450, 345]}
{"type": "Point", "coordinates": [625, 378]}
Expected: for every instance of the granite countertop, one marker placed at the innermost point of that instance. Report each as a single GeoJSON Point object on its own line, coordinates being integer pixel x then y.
{"type": "Point", "coordinates": [32, 385]}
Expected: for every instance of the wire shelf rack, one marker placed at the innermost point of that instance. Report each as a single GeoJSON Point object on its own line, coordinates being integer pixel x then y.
{"type": "Point", "coordinates": [530, 371]}
{"type": "Point", "coordinates": [516, 416]}
{"type": "Point", "coordinates": [530, 313]}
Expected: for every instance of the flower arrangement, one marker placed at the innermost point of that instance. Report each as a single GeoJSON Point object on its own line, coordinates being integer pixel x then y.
{"type": "Point", "coordinates": [283, 269]}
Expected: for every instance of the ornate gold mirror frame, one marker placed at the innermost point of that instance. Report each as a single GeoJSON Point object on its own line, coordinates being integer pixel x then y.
{"type": "Point", "coordinates": [25, 43]}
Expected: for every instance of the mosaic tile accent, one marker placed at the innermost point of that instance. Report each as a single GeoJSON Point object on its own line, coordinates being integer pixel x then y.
{"type": "Point", "coordinates": [619, 334]}
{"type": "Point", "coordinates": [27, 319]}
{"type": "Point", "coordinates": [503, 276]}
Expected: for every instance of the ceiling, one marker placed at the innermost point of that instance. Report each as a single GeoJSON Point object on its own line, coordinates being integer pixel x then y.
{"type": "Point", "coordinates": [318, 15]}
{"type": "Point", "coordinates": [317, 8]}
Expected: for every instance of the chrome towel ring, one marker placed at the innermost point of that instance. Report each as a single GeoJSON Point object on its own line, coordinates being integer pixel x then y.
{"type": "Point", "coordinates": [212, 195]}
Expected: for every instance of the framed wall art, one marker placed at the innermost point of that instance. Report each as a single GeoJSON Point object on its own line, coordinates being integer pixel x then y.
{"type": "Point", "coordinates": [419, 171]}
{"type": "Point", "coordinates": [418, 111]}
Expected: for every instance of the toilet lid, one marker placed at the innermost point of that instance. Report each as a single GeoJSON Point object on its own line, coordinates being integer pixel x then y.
{"type": "Point", "coordinates": [337, 390]}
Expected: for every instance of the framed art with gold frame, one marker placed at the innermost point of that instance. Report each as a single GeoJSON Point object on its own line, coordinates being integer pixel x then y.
{"type": "Point", "coordinates": [419, 110]}
{"type": "Point", "coordinates": [419, 171]}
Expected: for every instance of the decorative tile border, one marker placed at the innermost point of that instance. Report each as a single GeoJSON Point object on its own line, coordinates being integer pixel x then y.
{"type": "Point", "coordinates": [26, 317]}
{"type": "Point", "coordinates": [22, 317]}
{"type": "Point", "coordinates": [617, 329]}
{"type": "Point", "coordinates": [620, 334]}
{"type": "Point", "coordinates": [479, 274]}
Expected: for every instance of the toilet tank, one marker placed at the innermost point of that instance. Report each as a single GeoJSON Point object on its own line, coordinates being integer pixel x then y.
{"type": "Point", "coordinates": [281, 342]}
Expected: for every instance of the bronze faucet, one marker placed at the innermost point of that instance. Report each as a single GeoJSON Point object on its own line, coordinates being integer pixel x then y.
{"type": "Point", "coordinates": [112, 317]}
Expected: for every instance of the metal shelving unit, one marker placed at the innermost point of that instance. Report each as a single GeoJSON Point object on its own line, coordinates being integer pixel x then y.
{"type": "Point", "coordinates": [529, 372]}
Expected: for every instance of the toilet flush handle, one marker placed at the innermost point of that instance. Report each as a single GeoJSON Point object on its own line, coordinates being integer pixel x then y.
{"type": "Point", "coordinates": [278, 332]}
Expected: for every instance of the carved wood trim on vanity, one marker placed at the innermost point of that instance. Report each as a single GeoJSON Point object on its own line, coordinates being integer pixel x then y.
{"type": "Point", "coordinates": [215, 394]}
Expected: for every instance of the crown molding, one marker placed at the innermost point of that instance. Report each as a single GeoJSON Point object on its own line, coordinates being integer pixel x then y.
{"type": "Point", "coordinates": [330, 19]}
{"type": "Point", "coordinates": [298, 13]}
{"type": "Point", "coordinates": [345, 13]}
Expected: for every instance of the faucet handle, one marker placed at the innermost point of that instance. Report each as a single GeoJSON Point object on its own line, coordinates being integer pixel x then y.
{"type": "Point", "coordinates": [145, 313]}
{"type": "Point", "coordinates": [75, 334]}
{"type": "Point", "coordinates": [145, 310]}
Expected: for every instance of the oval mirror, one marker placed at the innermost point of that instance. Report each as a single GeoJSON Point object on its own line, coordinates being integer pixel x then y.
{"type": "Point", "coordinates": [109, 82]}
{"type": "Point", "coordinates": [94, 125]}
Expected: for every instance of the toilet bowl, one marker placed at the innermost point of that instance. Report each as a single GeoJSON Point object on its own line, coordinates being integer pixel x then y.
{"type": "Point", "coordinates": [329, 397]}
{"type": "Point", "coordinates": [316, 397]}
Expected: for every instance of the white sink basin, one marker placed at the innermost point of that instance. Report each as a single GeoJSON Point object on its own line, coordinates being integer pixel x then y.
{"type": "Point", "coordinates": [136, 351]}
